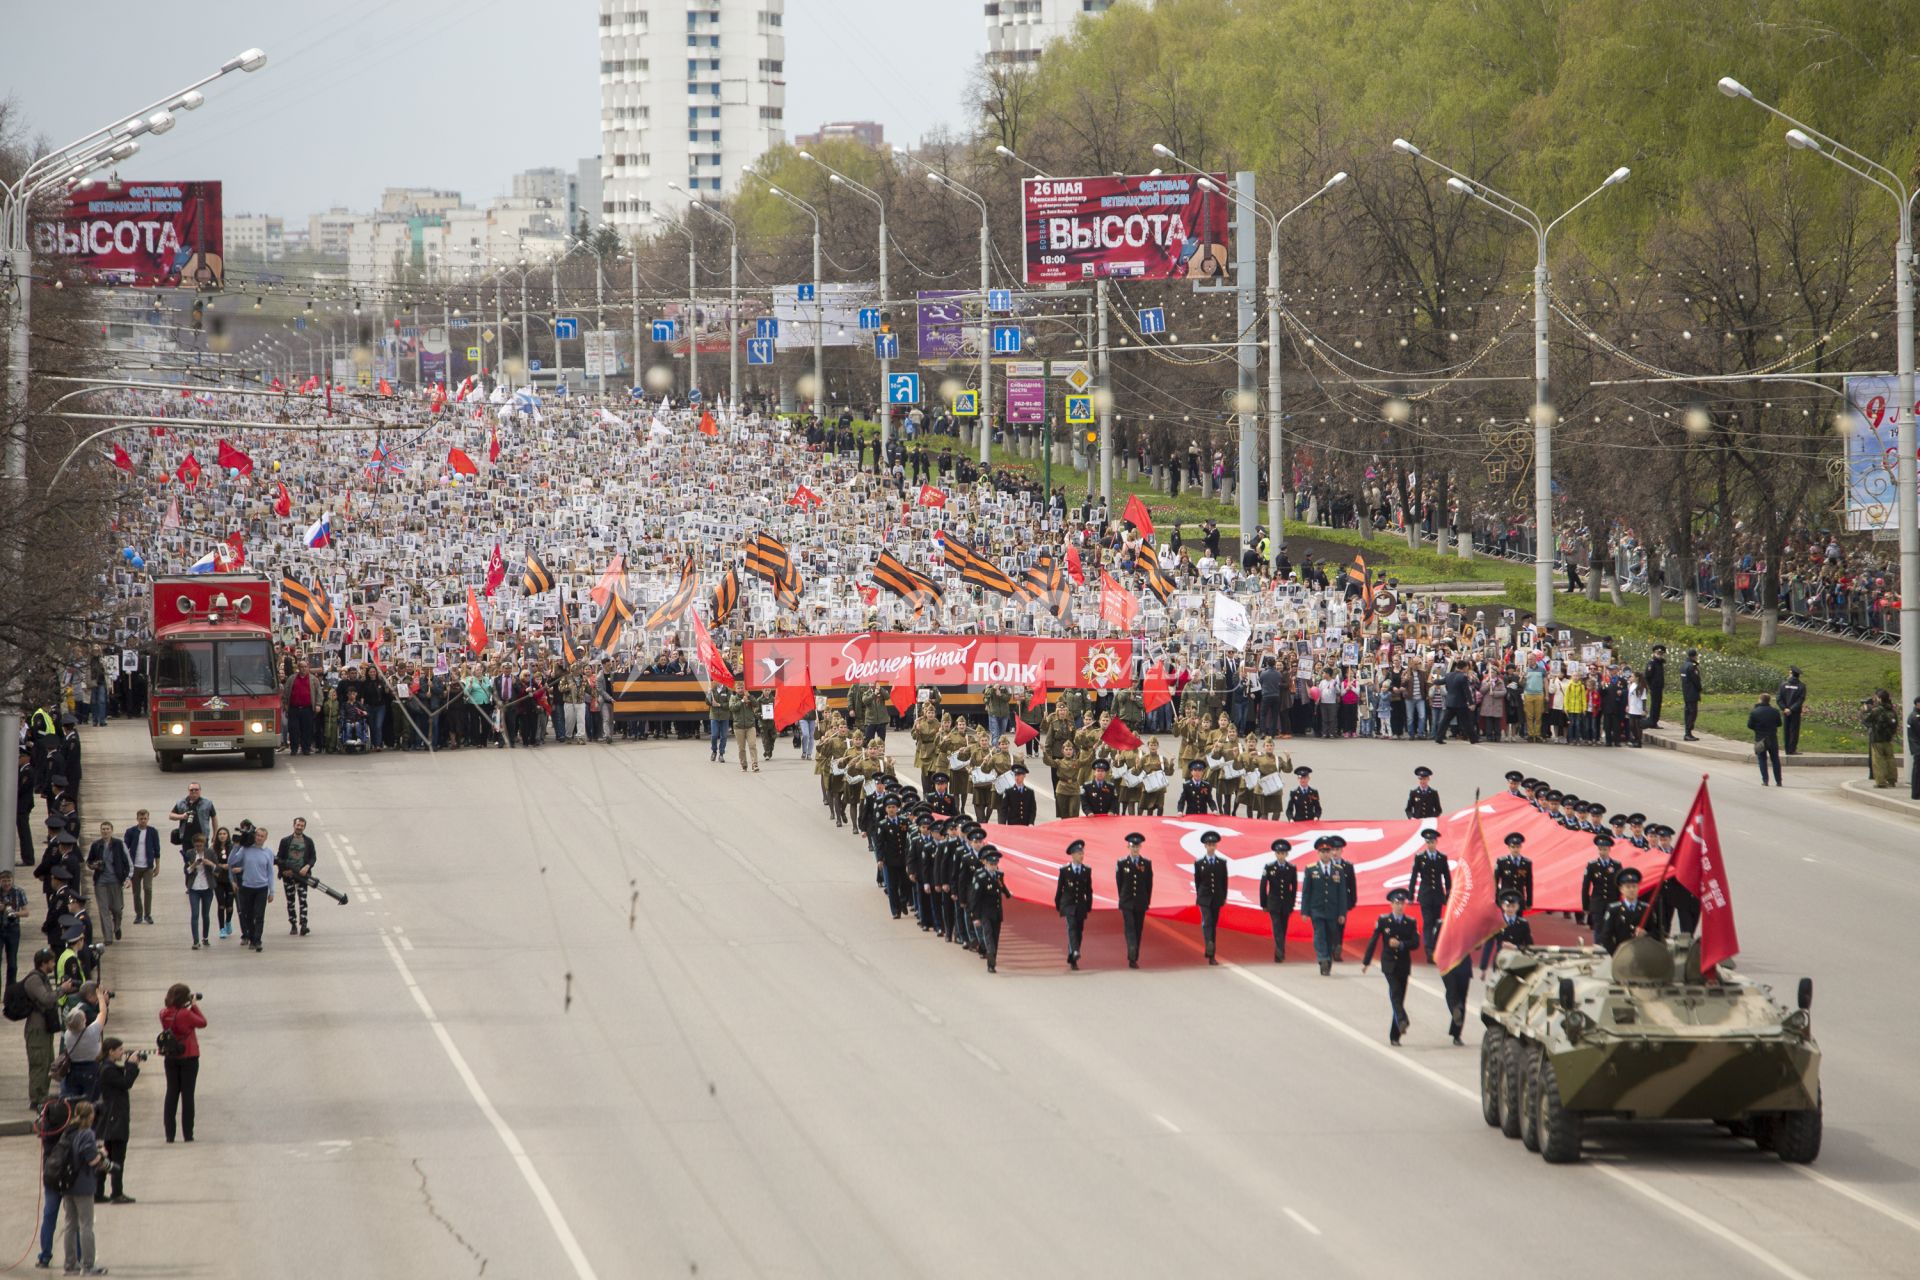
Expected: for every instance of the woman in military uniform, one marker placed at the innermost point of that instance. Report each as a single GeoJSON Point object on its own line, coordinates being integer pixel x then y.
{"type": "Point", "coordinates": [1151, 762]}
{"type": "Point", "coordinates": [1126, 777]}
{"type": "Point", "coordinates": [926, 745]}
{"type": "Point", "coordinates": [1000, 765]}
{"type": "Point", "coordinates": [851, 788]}
{"type": "Point", "coordinates": [1067, 776]}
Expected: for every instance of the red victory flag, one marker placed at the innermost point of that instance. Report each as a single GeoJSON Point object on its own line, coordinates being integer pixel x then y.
{"type": "Point", "coordinates": [708, 427]}
{"type": "Point", "coordinates": [1472, 916]}
{"type": "Point", "coordinates": [277, 386]}
{"type": "Point", "coordinates": [461, 463]}
{"type": "Point", "coordinates": [283, 505]}
{"type": "Point", "coordinates": [122, 459]}
{"type": "Point", "coordinates": [804, 498]}
{"type": "Point", "coordinates": [1154, 693]}
{"type": "Point", "coordinates": [1696, 864]}
{"type": "Point", "coordinates": [903, 690]}
{"type": "Point", "coordinates": [383, 388]}
{"type": "Point", "coordinates": [1135, 514]}
{"type": "Point", "coordinates": [1023, 733]}
{"type": "Point", "coordinates": [311, 385]}
{"type": "Point", "coordinates": [932, 497]}
{"type": "Point", "coordinates": [867, 594]}
{"type": "Point", "coordinates": [439, 397]}
{"type": "Point", "coordinates": [1039, 696]}
{"type": "Point", "coordinates": [496, 571]}
{"type": "Point", "coordinates": [791, 702]}
{"type": "Point", "coordinates": [232, 554]}
{"type": "Point", "coordinates": [1119, 737]}
{"type": "Point", "coordinates": [1074, 570]}
{"type": "Point", "coordinates": [233, 459]}
{"type": "Point", "coordinates": [493, 446]}
{"type": "Point", "coordinates": [1117, 605]}
{"type": "Point", "coordinates": [709, 656]}
{"type": "Point", "coordinates": [476, 625]}
{"type": "Point", "coordinates": [611, 581]}
{"type": "Point", "coordinates": [188, 473]}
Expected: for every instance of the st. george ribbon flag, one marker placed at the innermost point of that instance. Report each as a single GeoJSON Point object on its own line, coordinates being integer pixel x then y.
{"type": "Point", "coordinates": [1381, 853]}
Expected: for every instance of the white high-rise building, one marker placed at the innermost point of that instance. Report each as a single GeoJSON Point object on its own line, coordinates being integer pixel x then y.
{"type": "Point", "coordinates": [1017, 30]}
{"type": "Point", "coordinates": [690, 90]}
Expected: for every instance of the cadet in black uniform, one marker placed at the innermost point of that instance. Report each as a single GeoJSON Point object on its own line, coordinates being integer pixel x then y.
{"type": "Point", "coordinates": [989, 892]}
{"type": "Point", "coordinates": [1599, 888]}
{"type": "Point", "coordinates": [1423, 801]}
{"type": "Point", "coordinates": [1628, 917]}
{"type": "Point", "coordinates": [1514, 931]}
{"type": "Point", "coordinates": [1210, 889]}
{"type": "Point", "coordinates": [1098, 797]}
{"type": "Point", "coordinates": [1638, 837]}
{"type": "Point", "coordinates": [922, 849]}
{"type": "Point", "coordinates": [1018, 802]}
{"type": "Point", "coordinates": [1429, 882]}
{"type": "Point", "coordinates": [1133, 887]}
{"type": "Point", "coordinates": [1513, 871]}
{"type": "Point", "coordinates": [1401, 938]}
{"type": "Point", "coordinates": [1515, 787]}
{"type": "Point", "coordinates": [1073, 898]}
{"type": "Point", "coordinates": [890, 840]}
{"type": "Point", "coordinates": [1279, 888]}
{"type": "Point", "coordinates": [1303, 802]}
{"type": "Point", "coordinates": [1674, 904]}
{"type": "Point", "coordinates": [1196, 794]}
{"type": "Point", "coordinates": [943, 802]}
{"type": "Point", "coordinates": [966, 866]}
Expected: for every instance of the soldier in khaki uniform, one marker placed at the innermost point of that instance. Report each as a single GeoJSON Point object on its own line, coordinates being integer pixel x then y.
{"type": "Point", "coordinates": [1126, 776]}
{"type": "Point", "coordinates": [1067, 777]}
{"type": "Point", "coordinates": [1151, 761]}
{"type": "Point", "coordinates": [745, 710]}
{"type": "Point", "coordinates": [926, 743]}
{"type": "Point", "coordinates": [826, 752]}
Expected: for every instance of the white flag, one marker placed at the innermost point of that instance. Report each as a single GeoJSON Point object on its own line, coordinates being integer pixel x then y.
{"type": "Point", "coordinates": [609, 418]}
{"type": "Point", "coordinates": [1231, 626]}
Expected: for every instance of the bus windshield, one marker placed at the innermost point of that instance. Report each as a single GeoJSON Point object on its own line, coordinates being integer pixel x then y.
{"type": "Point", "coordinates": [203, 667]}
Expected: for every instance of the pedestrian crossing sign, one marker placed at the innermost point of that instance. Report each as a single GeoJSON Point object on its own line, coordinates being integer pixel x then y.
{"type": "Point", "coordinates": [1079, 410]}
{"type": "Point", "coordinates": [966, 404]}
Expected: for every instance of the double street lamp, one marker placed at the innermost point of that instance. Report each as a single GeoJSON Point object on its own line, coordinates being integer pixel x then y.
{"type": "Point", "coordinates": [867, 193]}
{"type": "Point", "coordinates": [1543, 416]}
{"type": "Point", "coordinates": [733, 299]}
{"type": "Point", "coordinates": [985, 420]}
{"type": "Point", "coordinates": [819, 303]}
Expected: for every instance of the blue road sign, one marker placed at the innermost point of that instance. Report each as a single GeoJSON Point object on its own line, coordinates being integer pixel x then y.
{"type": "Point", "coordinates": [903, 388]}
{"type": "Point", "coordinates": [1006, 339]}
{"type": "Point", "coordinates": [1153, 320]}
{"type": "Point", "coordinates": [869, 317]}
{"type": "Point", "coordinates": [460, 322]}
{"type": "Point", "coordinates": [534, 365]}
{"type": "Point", "coordinates": [1000, 300]}
{"type": "Point", "coordinates": [663, 331]}
{"type": "Point", "coordinates": [759, 350]}
{"type": "Point", "coordinates": [565, 326]}
{"type": "Point", "coordinates": [805, 293]}
{"type": "Point", "coordinates": [693, 395]}
{"type": "Point", "coordinates": [886, 346]}
{"type": "Point", "coordinates": [766, 327]}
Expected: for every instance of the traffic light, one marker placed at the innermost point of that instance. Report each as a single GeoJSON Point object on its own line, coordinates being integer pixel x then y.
{"type": "Point", "coordinates": [1093, 437]}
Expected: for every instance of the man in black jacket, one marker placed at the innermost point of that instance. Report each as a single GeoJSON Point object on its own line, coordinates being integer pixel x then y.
{"type": "Point", "coordinates": [989, 893]}
{"type": "Point", "coordinates": [1690, 692]}
{"type": "Point", "coordinates": [1018, 802]}
{"type": "Point", "coordinates": [1764, 723]}
{"type": "Point", "coordinates": [1656, 678]}
{"type": "Point", "coordinates": [295, 859]}
{"type": "Point", "coordinates": [1792, 700]}
{"type": "Point", "coordinates": [890, 836]}
{"type": "Point", "coordinates": [1913, 750]}
{"type": "Point", "coordinates": [111, 870]}
{"type": "Point", "coordinates": [1401, 938]}
{"type": "Point", "coordinates": [1210, 889]}
{"type": "Point", "coordinates": [1457, 708]}
{"type": "Point", "coordinates": [1133, 888]}
{"type": "Point", "coordinates": [1279, 889]}
{"type": "Point", "coordinates": [1073, 898]}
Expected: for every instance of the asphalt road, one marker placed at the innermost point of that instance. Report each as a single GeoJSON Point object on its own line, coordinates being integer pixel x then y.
{"type": "Point", "coordinates": [617, 1011]}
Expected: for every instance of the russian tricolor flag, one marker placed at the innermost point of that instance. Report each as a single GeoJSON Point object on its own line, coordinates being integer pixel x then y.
{"type": "Point", "coordinates": [207, 563]}
{"type": "Point", "coordinates": [320, 532]}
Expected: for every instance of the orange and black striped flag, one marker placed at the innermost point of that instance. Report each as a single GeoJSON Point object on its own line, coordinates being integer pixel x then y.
{"type": "Point", "coordinates": [976, 568]}
{"type": "Point", "coordinates": [569, 654]}
{"type": "Point", "coordinates": [311, 603]}
{"type": "Point", "coordinates": [1358, 573]}
{"type": "Point", "coordinates": [536, 578]}
{"type": "Point", "coordinates": [768, 558]}
{"type": "Point", "coordinates": [788, 586]}
{"type": "Point", "coordinates": [1148, 561]}
{"type": "Point", "coordinates": [725, 597]}
{"type": "Point", "coordinates": [1045, 583]}
{"type": "Point", "coordinates": [915, 588]}
{"type": "Point", "coordinates": [675, 605]}
{"type": "Point", "coordinates": [606, 635]}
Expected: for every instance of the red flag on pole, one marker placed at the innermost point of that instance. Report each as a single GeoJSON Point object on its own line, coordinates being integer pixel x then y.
{"type": "Point", "coordinates": [708, 427]}
{"type": "Point", "coordinates": [709, 655]}
{"type": "Point", "coordinates": [496, 571]}
{"type": "Point", "coordinates": [1117, 605]}
{"type": "Point", "coordinates": [122, 459]}
{"type": "Point", "coordinates": [1472, 916]}
{"type": "Point", "coordinates": [1119, 737]}
{"type": "Point", "coordinates": [188, 473]}
{"type": "Point", "coordinates": [493, 446]}
{"type": "Point", "coordinates": [791, 702]}
{"type": "Point", "coordinates": [1696, 864]}
{"type": "Point", "coordinates": [461, 463]}
{"type": "Point", "coordinates": [1038, 698]}
{"type": "Point", "coordinates": [439, 397]}
{"type": "Point", "coordinates": [1135, 513]}
{"type": "Point", "coordinates": [611, 580]}
{"type": "Point", "coordinates": [383, 388]}
{"type": "Point", "coordinates": [932, 497]}
{"type": "Point", "coordinates": [311, 385]}
{"type": "Point", "coordinates": [283, 505]}
{"type": "Point", "coordinates": [232, 458]}
{"type": "Point", "coordinates": [804, 498]}
{"type": "Point", "coordinates": [1023, 733]}
{"type": "Point", "coordinates": [1074, 570]}
{"type": "Point", "coordinates": [1154, 693]}
{"type": "Point", "coordinates": [476, 625]}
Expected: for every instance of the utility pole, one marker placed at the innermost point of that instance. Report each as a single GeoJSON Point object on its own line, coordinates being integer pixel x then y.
{"type": "Point", "coordinates": [693, 319]}
{"type": "Point", "coordinates": [1246, 302]}
{"type": "Point", "coordinates": [1105, 397]}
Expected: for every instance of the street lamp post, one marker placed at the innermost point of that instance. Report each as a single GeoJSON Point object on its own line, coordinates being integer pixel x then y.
{"type": "Point", "coordinates": [819, 303]}
{"type": "Point", "coordinates": [1544, 539]}
{"type": "Point", "coordinates": [733, 301]}
{"type": "Point", "coordinates": [886, 361]}
{"type": "Point", "coordinates": [1804, 137]}
{"type": "Point", "coordinates": [986, 344]}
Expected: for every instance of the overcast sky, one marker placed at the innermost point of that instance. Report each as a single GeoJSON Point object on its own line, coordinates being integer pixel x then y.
{"type": "Point", "coordinates": [360, 95]}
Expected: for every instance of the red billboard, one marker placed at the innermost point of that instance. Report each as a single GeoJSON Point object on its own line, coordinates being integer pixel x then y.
{"type": "Point", "coordinates": [145, 234]}
{"type": "Point", "coordinates": [1166, 227]}
{"type": "Point", "coordinates": [881, 657]}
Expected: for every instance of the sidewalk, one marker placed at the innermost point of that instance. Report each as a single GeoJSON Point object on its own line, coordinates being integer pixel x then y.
{"type": "Point", "coordinates": [1717, 748]}
{"type": "Point", "coordinates": [1894, 799]}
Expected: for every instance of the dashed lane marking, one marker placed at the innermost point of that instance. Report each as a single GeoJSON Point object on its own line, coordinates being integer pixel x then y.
{"type": "Point", "coordinates": [1301, 1222]}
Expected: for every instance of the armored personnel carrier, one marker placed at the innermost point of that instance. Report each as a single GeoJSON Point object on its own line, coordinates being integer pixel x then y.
{"type": "Point", "coordinates": [1574, 1036]}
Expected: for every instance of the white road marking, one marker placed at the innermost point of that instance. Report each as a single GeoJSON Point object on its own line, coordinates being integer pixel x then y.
{"type": "Point", "coordinates": [1301, 1222]}
{"type": "Point", "coordinates": [984, 1057]}
{"type": "Point", "coordinates": [1700, 1220]}
{"type": "Point", "coordinates": [1171, 1127]}
{"type": "Point", "coordinates": [569, 1245]}
{"type": "Point", "coordinates": [406, 944]}
{"type": "Point", "coordinates": [1858, 1197]}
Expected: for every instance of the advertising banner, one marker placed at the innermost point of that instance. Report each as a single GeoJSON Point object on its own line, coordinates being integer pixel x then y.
{"type": "Point", "coordinates": [433, 367]}
{"type": "Point", "coordinates": [881, 657]}
{"type": "Point", "coordinates": [1154, 228]}
{"type": "Point", "coordinates": [1381, 853]}
{"type": "Point", "coordinates": [1026, 392]}
{"type": "Point", "coordinates": [1873, 455]}
{"type": "Point", "coordinates": [943, 327]}
{"type": "Point", "coordinates": [144, 234]}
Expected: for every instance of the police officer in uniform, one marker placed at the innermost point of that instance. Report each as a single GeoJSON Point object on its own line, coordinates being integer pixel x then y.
{"type": "Point", "coordinates": [890, 839]}
{"type": "Point", "coordinates": [1599, 887]}
{"type": "Point", "coordinates": [1073, 897]}
{"type": "Point", "coordinates": [943, 802]}
{"type": "Point", "coordinates": [1133, 888]}
{"type": "Point", "coordinates": [1514, 931]}
{"type": "Point", "coordinates": [1098, 796]}
{"type": "Point", "coordinates": [989, 892]}
{"type": "Point", "coordinates": [1018, 804]}
{"type": "Point", "coordinates": [1513, 871]}
{"type": "Point", "coordinates": [1627, 918]}
{"type": "Point", "coordinates": [966, 868]}
{"type": "Point", "coordinates": [1210, 889]}
{"type": "Point", "coordinates": [1398, 938]}
{"type": "Point", "coordinates": [1196, 794]}
{"type": "Point", "coordinates": [1303, 802]}
{"type": "Point", "coordinates": [1279, 888]}
{"type": "Point", "coordinates": [1429, 883]}
{"type": "Point", "coordinates": [1514, 788]}
{"type": "Point", "coordinates": [1423, 801]}
{"type": "Point", "coordinates": [920, 855]}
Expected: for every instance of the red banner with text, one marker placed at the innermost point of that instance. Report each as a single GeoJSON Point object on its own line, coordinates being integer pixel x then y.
{"type": "Point", "coordinates": [1160, 227]}
{"type": "Point", "coordinates": [884, 657]}
{"type": "Point", "coordinates": [144, 234]}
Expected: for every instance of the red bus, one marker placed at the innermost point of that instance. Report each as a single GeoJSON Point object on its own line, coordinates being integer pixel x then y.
{"type": "Point", "coordinates": [214, 683]}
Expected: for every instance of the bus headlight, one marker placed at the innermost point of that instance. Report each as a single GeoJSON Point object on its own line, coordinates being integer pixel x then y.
{"type": "Point", "coordinates": [256, 727]}
{"type": "Point", "coordinates": [176, 728]}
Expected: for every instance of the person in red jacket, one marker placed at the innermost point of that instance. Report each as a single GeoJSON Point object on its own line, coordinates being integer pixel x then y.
{"type": "Point", "coordinates": [300, 711]}
{"type": "Point", "coordinates": [183, 1018]}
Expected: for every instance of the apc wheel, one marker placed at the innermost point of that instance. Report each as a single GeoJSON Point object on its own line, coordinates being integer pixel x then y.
{"type": "Point", "coordinates": [1493, 1048]}
{"type": "Point", "coordinates": [1512, 1054]}
{"type": "Point", "coordinates": [1558, 1127]}
{"type": "Point", "coordinates": [1796, 1134]}
{"type": "Point", "coordinates": [1531, 1063]}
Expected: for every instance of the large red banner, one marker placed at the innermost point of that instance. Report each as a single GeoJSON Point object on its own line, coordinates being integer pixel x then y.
{"type": "Point", "coordinates": [1381, 854]}
{"type": "Point", "coordinates": [885, 657]}
{"type": "Point", "coordinates": [145, 234]}
{"type": "Point", "coordinates": [1166, 227]}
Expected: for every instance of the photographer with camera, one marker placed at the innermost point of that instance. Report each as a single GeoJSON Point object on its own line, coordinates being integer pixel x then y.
{"type": "Point", "coordinates": [179, 1045]}
{"type": "Point", "coordinates": [252, 871]}
{"type": "Point", "coordinates": [43, 1022]}
{"type": "Point", "coordinates": [80, 1050]}
{"type": "Point", "coordinates": [295, 861]}
{"type": "Point", "coordinates": [12, 902]}
{"type": "Point", "coordinates": [114, 1122]}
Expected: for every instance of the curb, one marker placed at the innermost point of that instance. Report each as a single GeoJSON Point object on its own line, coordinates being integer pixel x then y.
{"type": "Point", "coordinates": [15, 1128]}
{"type": "Point", "coordinates": [1716, 748]}
{"type": "Point", "coordinates": [1861, 791]}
